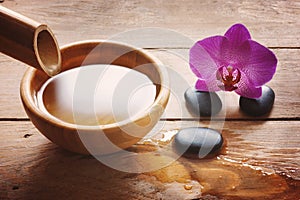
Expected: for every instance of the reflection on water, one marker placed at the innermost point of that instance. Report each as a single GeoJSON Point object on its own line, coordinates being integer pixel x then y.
{"type": "Point", "coordinates": [96, 94]}
{"type": "Point", "coordinates": [217, 176]}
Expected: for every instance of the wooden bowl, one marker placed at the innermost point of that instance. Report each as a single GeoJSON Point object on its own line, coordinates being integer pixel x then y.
{"type": "Point", "coordinates": [97, 139]}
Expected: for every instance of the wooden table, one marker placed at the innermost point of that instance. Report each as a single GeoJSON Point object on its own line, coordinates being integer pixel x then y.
{"type": "Point", "coordinates": [31, 167]}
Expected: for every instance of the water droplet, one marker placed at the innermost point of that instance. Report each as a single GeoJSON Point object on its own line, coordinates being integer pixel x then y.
{"type": "Point", "coordinates": [188, 187]}
{"type": "Point", "coordinates": [167, 136]}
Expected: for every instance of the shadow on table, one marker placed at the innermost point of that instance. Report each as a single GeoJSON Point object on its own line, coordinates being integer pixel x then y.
{"type": "Point", "coordinates": [60, 174]}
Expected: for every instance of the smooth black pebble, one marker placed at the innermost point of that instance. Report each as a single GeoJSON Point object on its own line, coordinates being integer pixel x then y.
{"type": "Point", "coordinates": [260, 106]}
{"type": "Point", "coordinates": [198, 142]}
{"type": "Point", "coordinates": [202, 103]}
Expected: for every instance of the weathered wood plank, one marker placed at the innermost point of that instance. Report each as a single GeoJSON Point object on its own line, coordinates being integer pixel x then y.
{"type": "Point", "coordinates": [285, 84]}
{"type": "Point", "coordinates": [11, 72]}
{"type": "Point", "coordinates": [86, 19]}
{"type": "Point", "coordinates": [31, 166]}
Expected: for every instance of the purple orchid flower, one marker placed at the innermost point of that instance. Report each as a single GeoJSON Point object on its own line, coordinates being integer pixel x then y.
{"type": "Point", "coordinates": [232, 62]}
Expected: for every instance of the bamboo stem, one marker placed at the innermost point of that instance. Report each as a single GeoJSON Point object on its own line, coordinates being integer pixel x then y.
{"type": "Point", "coordinates": [29, 41]}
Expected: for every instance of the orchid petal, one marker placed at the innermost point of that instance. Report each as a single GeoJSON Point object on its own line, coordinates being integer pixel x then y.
{"type": "Point", "coordinates": [246, 88]}
{"type": "Point", "coordinates": [261, 65]}
{"type": "Point", "coordinates": [237, 34]}
{"type": "Point", "coordinates": [234, 52]}
{"type": "Point", "coordinates": [236, 56]}
{"type": "Point", "coordinates": [205, 56]}
{"type": "Point", "coordinates": [210, 84]}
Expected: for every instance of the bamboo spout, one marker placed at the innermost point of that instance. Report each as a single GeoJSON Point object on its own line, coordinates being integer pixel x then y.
{"type": "Point", "coordinates": [29, 41]}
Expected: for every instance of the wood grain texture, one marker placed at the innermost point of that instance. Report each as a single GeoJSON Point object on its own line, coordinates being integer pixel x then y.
{"type": "Point", "coordinates": [31, 166]}
{"type": "Point", "coordinates": [285, 84]}
{"type": "Point", "coordinates": [273, 23]}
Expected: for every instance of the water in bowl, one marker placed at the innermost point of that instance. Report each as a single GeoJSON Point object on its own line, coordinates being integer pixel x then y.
{"type": "Point", "coordinates": [96, 94]}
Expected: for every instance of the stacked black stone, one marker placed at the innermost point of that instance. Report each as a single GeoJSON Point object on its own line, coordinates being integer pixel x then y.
{"type": "Point", "coordinates": [208, 103]}
{"type": "Point", "coordinates": [260, 106]}
{"type": "Point", "coordinates": [197, 142]}
{"type": "Point", "coordinates": [202, 103]}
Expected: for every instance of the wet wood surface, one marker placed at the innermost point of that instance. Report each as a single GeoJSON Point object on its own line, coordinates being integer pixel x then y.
{"type": "Point", "coordinates": [32, 167]}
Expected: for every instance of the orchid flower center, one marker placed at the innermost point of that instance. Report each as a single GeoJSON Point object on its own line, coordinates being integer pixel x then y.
{"type": "Point", "coordinates": [229, 77]}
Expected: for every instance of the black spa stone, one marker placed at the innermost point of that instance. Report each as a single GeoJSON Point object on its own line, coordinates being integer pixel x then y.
{"type": "Point", "coordinates": [198, 142]}
{"type": "Point", "coordinates": [202, 103]}
{"type": "Point", "coordinates": [260, 106]}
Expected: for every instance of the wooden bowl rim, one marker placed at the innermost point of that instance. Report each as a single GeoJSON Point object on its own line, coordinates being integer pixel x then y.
{"type": "Point", "coordinates": [160, 100]}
